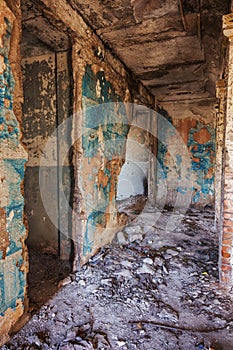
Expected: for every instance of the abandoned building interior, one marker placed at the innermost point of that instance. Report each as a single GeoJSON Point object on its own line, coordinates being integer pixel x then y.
{"type": "Point", "coordinates": [116, 142]}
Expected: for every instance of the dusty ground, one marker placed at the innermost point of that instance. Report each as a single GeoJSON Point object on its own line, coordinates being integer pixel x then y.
{"type": "Point", "coordinates": [46, 270]}
{"type": "Point", "coordinates": [158, 293]}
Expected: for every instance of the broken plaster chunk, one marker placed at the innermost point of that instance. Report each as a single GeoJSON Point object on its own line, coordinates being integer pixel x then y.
{"type": "Point", "coordinates": [121, 238]}
{"type": "Point", "coordinates": [172, 252]}
{"type": "Point", "coordinates": [121, 343]}
{"type": "Point", "coordinates": [158, 261]}
{"type": "Point", "coordinates": [126, 263]}
{"type": "Point", "coordinates": [124, 273]}
{"type": "Point", "coordinates": [148, 261]}
{"type": "Point", "coordinates": [145, 269]}
{"type": "Point", "coordinates": [133, 238]}
{"type": "Point", "coordinates": [132, 230]}
{"type": "Point", "coordinates": [64, 282]}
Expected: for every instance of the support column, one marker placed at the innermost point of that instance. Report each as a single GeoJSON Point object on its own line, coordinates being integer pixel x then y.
{"type": "Point", "coordinates": [226, 258]}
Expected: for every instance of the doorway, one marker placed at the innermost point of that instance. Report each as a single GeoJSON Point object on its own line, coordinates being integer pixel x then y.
{"type": "Point", "coordinates": [48, 102]}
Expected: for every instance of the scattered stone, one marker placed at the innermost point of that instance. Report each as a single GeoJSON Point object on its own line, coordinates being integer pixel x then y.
{"type": "Point", "coordinates": [158, 261]}
{"type": "Point", "coordinates": [135, 237]}
{"type": "Point", "coordinates": [172, 252]}
{"type": "Point", "coordinates": [145, 269]}
{"type": "Point", "coordinates": [121, 343]}
{"type": "Point", "coordinates": [124, 273]}
{"type": "Point", "coordinates": [126, 263]}
{"type": "Point", "coordinates": [148, 261]}
{"type": "Point", "coordinates": [132, 230]}
{"type": "Point", "coordinates": [121, 238]}
{"type": "Point", "coordinates": [131, 297]}
{"type": "Point", "coordinates": [64, 282]}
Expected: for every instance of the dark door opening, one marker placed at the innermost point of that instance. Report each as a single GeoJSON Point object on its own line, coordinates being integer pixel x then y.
{"type": "Point", "coordinates": [48, 101]}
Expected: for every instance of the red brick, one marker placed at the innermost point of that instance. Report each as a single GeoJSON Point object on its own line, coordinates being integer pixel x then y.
{"type": "Point", "coordinates": [227, 236]}
{"type": "Point", "coordinates": [227, 248]}
{"type": "Point", "coordinates": [226, 261]}
{"type": "Point", "coordinates": [228, 223]}
{"type": "Point", "coordinates": [228, 215]}
{"type": "Point", "coordinates": [225, 254]}
{"type": "Point", "coordinates": [227, 242]}
{"type": "Point", "coordinates": [225, 280]}
{"type": "Point", "coordinates": [226, 268]}
{"type": "Point", "coordinates": [228, 229]}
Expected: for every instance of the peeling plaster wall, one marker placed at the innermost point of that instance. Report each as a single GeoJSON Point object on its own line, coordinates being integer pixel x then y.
{"type": "Point", "coordinates": [13, 254]}
{"type": "Point", "coordinates": [102, 79]}
{"type": "Point", "coordinates": [39, 122]}
{"type": "Point", "coordinates": [198, 136]}
{"type": "Point", "coordinates": [47, 103]}
{"type": "Point", "coordinates": [103, 155]}
{"type": "Point", "coordinates": [88, 51]}
{"type": "Point", "coordinates": [98, 77]}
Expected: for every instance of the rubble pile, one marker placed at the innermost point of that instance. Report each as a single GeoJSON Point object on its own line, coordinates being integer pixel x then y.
{"type": "Point", "coordinates": [155, 289]}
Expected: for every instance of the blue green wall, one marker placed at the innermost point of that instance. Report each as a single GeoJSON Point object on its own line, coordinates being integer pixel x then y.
{"type": "Point", "coordinates": [199, 140]}
{"type": "Point", "coordinates": [103, 141]}
{"type": "Point", "coordinates": [12, 162]}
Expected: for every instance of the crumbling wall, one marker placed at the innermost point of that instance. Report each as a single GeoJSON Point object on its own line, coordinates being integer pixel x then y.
{"type": "Point", "coordinates": [97, 71]}
{"type": "Point", "coordinates": [198, 137]}
{"type": "Point", "coordinates": [13, 254]}
{"type": "Point", "coordinates": [226, 232]}
{"type": "Point", "coordinates": [105, 122]}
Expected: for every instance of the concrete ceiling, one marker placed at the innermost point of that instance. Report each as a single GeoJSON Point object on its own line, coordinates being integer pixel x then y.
{"type": "Point", "coordinates": [173, 46]}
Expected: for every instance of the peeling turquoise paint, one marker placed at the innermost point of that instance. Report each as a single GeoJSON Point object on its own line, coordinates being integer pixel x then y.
{"type": "Point", "coordinates": [93, 220]}
{"type": "Point", "coordinates": [106, 130]}
{"type": "Point", "coordinates": [163, 136]}
{"type": "Point", "coordinates": [12, 278]}
{"type": "Point", "coordinates": [202, 160]}
{"type": "Point", "coordinates": [205, 153]}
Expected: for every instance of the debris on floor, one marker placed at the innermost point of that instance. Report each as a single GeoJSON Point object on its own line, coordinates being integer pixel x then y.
{"type": "Point", "coordinates": [155, 292]}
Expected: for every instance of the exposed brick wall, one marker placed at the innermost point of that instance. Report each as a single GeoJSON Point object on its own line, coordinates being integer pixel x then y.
{"type": "Point", "coordinates": [220, 140]}
{"type": "Point", "coordinates": [226, 260]}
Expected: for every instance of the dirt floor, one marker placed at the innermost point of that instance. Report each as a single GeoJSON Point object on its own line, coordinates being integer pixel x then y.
{"type": "Point", "coordinates": [154, 288]}
{"type": "Point", "coordinates": [46, 270]}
